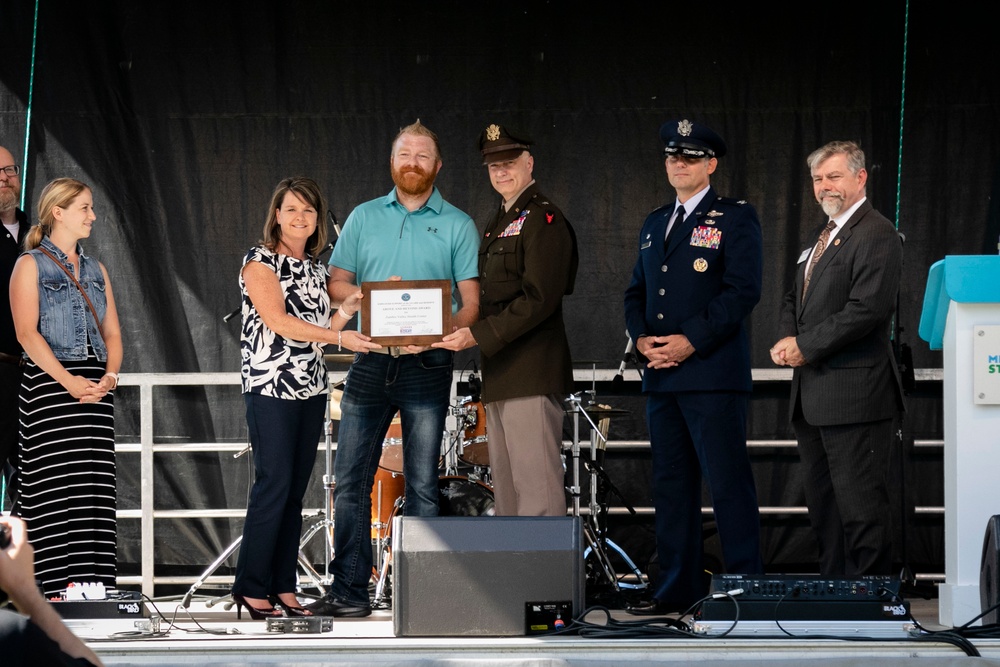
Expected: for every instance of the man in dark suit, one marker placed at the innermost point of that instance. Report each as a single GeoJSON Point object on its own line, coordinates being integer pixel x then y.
{"type": "Point", "coordinates": [15, 226]}
{"type": "Point", "coordinates": [527, 262]}
{"type": "Point", "coordinates": [697, 277]}
{"type": "Point", "coordinates": [846, 388]}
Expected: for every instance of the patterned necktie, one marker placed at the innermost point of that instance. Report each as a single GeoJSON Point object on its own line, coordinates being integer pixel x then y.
{"type": "Point", "coordinates": [824, 238]}
{"type": "Point", "coordinates": [678, 221]}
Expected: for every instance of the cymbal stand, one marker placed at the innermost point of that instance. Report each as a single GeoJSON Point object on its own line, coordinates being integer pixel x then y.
{"type": "Point", "coordinates": [574, 401]}
{"type": "Point", "coordinates": [326, 522]}
{"type": "Point", "coordinates": [596, 535]}
{"type": "Point", "coordinates": [604, 487]}
{"type": "Point", "coordinates": [229, 551]}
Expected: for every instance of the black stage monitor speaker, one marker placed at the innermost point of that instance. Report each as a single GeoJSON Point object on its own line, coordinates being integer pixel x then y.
{"type": "Point", "coordinates": [989, 570]}
{"type": "Point", "coordinates": [480, 576]}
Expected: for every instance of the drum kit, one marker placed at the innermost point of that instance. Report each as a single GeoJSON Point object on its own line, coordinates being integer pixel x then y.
{"type": "Point", "coordinates": [464, 489]}
{"type": "Point", "coordinates": [470, 494]}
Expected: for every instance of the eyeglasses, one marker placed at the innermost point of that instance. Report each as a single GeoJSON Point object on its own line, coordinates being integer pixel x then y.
{"type": "Point", "coordinates": [11, 170]}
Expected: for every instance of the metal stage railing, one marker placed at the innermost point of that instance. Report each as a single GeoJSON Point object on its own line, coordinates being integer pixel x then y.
{"type": "Point", "coordinates": [147, 383]}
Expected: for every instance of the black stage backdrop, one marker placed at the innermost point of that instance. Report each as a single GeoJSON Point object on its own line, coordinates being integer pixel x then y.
{"type": "Point", "coordinates": [184, 115]}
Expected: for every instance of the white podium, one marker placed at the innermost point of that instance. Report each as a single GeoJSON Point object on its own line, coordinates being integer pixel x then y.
{"type": "Point", "coordinates": [961, 315]}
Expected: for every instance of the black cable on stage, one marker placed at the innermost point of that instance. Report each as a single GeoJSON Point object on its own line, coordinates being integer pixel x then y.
{"type": "Point", "coordinates": [171, 624]}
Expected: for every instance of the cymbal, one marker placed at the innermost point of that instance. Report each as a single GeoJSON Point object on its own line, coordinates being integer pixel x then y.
{"type": "Point", "coordinates": [601, 411]}
{"type": "Point", "coordinates": [605, 411]}
{"type": "Point", "coordinates": [338, 358]}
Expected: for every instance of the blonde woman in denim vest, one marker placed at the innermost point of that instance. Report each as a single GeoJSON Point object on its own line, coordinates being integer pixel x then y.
{"type": "Point", "coordinates": [65, 318]}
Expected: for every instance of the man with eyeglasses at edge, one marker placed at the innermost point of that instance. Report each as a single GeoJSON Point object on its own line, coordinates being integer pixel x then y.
{"type": "Point", "coordinates": [696, 279]}
{"type": "Point", "coordinates": [16, 225]}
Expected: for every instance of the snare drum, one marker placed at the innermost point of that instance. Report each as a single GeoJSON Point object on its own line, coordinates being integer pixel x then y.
{"type": "Point", "coordinates": [388, 489]}
{"type": "Point", "coordinates": [460, 496]}
{"type": "Point", "coordinates": [476, 449]}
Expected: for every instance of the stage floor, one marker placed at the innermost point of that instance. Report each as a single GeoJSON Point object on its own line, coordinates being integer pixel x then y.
{"type": "Point", "coordinates": [213, 636]}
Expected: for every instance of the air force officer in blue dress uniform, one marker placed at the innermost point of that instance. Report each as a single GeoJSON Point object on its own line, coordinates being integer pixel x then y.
{"type": "Point", "coordinates": [696, 279]}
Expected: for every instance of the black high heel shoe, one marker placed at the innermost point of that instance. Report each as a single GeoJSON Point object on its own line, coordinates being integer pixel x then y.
{"type": "Point", "coordinates": [255, 613]}
{"type": "Point", "coordinates": [290, 610]}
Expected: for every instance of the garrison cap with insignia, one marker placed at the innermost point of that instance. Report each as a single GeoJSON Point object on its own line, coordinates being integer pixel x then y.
{"type": "Point", "coordinates": [684, 138]}
{"type": "Point", "coordinates": [498, 144]}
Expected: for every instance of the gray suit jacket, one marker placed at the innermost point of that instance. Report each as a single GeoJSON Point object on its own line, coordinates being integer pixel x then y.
{"type": "Point", "coordinates": [843, 326]}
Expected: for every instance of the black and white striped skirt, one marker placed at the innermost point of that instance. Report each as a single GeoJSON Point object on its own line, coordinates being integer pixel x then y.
{"type": "Point", "coordinates": [67, 479]}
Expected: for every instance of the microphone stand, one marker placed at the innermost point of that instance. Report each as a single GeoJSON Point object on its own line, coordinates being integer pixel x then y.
{"type": "Point", "coordinates": [629, 356]}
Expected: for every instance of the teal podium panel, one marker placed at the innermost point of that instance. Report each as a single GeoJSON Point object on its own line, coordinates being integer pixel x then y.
{"type": "Point", "coordinates": [958, 278]}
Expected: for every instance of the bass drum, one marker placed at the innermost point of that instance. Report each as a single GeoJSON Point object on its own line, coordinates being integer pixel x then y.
{"type": "Point", "coordinates": [460, 496]}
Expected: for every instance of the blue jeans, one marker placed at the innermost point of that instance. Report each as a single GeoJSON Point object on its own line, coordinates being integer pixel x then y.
{"type": "Point", "coordinates": [418, 386]}
{"type": "Point", "coordinates": [284, 435]}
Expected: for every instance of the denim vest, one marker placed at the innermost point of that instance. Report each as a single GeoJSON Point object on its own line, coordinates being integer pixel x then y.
{"type": "Point", "coordinates": [64, 320]}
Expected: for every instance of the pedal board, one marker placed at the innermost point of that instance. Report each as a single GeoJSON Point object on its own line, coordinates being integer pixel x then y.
{"type": "Point", "coordinates": [305, 625]}
{"type": "Point", "coordinates": [125, 604]}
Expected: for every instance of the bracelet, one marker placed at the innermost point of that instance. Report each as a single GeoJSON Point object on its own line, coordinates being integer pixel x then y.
{"type": "Point", "coordinates": [340, 311]}
{"type": "Point", "coordinates": [114, 376]}
{"type": "Point", "coordinates": [339, 334]}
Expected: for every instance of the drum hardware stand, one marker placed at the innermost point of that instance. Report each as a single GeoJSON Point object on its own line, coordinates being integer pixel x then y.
{"type": "Point", "coordinates": [465, 416]}
{"type": "Point", "coordinates": [383, 554]}
{"type": "Point", "coordinates": [326, 522]}
{"type": "Point", "coordinates": [595, 526]}
{"type": "Point", "coordinates": [456, 445]}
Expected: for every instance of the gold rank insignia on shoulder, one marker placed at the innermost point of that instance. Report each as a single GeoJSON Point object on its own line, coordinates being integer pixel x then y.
{"type": "Point", "coordinates": [700, 265]}
{"type": "Point", "coordinates": [493, 132]}
{"type": "Point", "coordinates": [684, 128]}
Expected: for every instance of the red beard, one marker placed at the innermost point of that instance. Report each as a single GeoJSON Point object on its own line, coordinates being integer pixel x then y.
{"type": "Point", "coordinates": [413, 180]}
